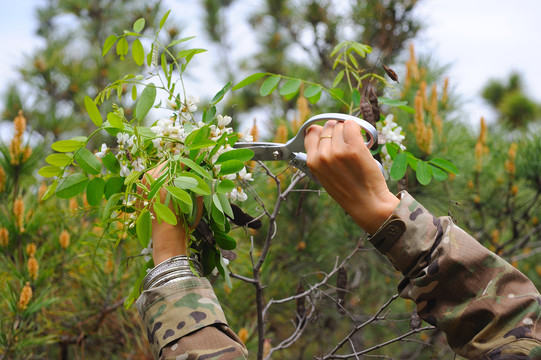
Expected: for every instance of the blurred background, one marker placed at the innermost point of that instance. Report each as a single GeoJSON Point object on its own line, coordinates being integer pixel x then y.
{"type": "Point", "coordinates": [467, 71]}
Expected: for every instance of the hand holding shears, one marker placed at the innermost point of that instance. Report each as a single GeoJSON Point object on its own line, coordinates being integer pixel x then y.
{"type": "Point", "coordinates": [294, 151]}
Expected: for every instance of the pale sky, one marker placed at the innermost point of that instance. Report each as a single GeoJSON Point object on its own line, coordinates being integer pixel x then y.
{"type": "Point", "coordinates": [481, 39]}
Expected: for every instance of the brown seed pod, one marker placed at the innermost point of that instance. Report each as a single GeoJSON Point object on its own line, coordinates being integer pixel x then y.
{"type": "Point", "coordinates": [390, 72]}
{"type": "Point", "coordinates": [341, 288]}
{"type": "Point", "coordinates": [373, 99]}
{"type": "Point", "coordinates": [300, 309]}
{"type": "Point", "coordinates": [242, 219]}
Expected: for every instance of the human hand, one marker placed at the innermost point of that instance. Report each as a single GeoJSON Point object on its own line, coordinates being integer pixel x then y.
{"type": "Point", "coordinates": [170, 240]}
{"type": "Point", "coordinates": [340, 160]}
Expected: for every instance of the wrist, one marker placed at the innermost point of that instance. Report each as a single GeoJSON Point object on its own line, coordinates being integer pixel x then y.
{"type": "Point", "coordinates": [383, 208]}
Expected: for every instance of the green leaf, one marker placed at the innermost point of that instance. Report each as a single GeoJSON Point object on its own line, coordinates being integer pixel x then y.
{"type": "Point", "coordinates": [115, 120]}
{"type": "Point", "coordinates": [236, 154]}
{"type": "Point", "coordinates": [189, 53]}
{"type": "Point", "coordinates": [201, 144]}
{"type": "Point", "coordinates": [314, 99]}
{"type": "Point", "coordinates": [445, 165]}
{"type": "Point", "coordinates": [392, 149]}
{"type": "Point", "coordinates": [122, 47]}
{"type": "Point", "coordinates": [112, 186]}
{"type": "Point", "coordinates": [225, 241]}
{"type": "Point", "coordinates": [192, 165]}
{"type": "Point", "coordinates": [72, 185]}
{"type": "Point", "coordinates": [50, 190]}
{"type": "Point", "coordinates": [202, 187]}
{"type": "Point", "coordinates": [134, 92]}
{"type": "Point", "coordinates": [88, 161]}
{"type": "Point", "coordinates": [225, 186]}
{"type": "Point", "coordinates": [398, 169]}
{"type": "Point", "coordinates": [269, 85]}
{"type": "Point", "coordinates": [143, 227]}
{"type": "Point", "coordinates": [163, 212]}
{"type": "Point", "coordinates": [336, 93]}
{"type": "Point", "coordinates": [438, 173]}
{"type": "Point", "coordinates": [145, 101]}
{"type": "Point", "coordinates": [157, 185]}
{"type": "Point", "coordinates": [249, 80]}
{"type": "Point", "coordinates": [391, 102]}
{"type": "Point", "coordinates": [312, 90]}
{"type": "Point", "coordinates": [220, 94]}
{"type": "Point", "coordinates": [407, 109]}
{"type": "Point", "coordinates": [178, 41]}
{"type": "Point", "coordinates": [356, 97]}
{"type": "Point", "coordinates": [185, 182]}
{"type": "Point", "coordinates": [111, 163]}
{"type": "Point", "coordinates": [139, 25]}
{"type": "Point", "coordinates": [67, 145]}
{"type": "Point", "coordinates": [338, 78]}
{"type": "Point", "coordinates": [138, 52]}
{"type": "Point", "coordinates": [222, 269]}
{"type": "Point", "coordinates": [291, 87]}
{"type": "Point", "coordinates": [50, 171]}
{"type": "Point", "coordinates": [231, 167]}
{"type": "Point", "coordinates": [95, 190]}
{"type": "Point", "coordinates": [181, 196]}
{"type": "Point", "coordinates": [110, 206]}
{"type": "Point", "coordinates": [424, 174]}
{"type": "Point", "coordinates": [164, 19]}
{"type": "Point", "coordinates": [93, 111]}
{"type": "Point", "coordinates": [226, 206]}
{"type": "Point", "coordinates": [108, 44]}
{"type": "Point", "coordinates": [60, 160]}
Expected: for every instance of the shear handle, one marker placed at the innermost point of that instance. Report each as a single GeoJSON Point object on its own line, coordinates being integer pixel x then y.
{"type": "Point", "coordinates": [296, 144]}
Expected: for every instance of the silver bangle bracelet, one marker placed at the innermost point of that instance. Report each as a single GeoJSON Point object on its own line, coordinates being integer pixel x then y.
{"type": "Point", "coordinates": [172, 270]}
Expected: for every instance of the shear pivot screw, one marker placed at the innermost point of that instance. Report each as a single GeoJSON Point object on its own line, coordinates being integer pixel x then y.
{"type": "Point", "coordinates": [276, 154]}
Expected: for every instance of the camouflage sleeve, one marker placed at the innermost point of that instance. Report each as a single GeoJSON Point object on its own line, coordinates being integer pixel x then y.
{"type": "Point", "coordinates": [184, 320]}
{"type": "Point", "coordinates": [486, 307]}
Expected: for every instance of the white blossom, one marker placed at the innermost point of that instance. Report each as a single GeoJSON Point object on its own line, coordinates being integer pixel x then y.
{"type": "Point", "coordinates": [138, 165]}
{"type": "Point", "coordinates": [191, 104]}
{"type": "Point", "coordinates": [122, 138]}
{"type": "Point", "coordinates": [245, 175]}
{"type": "Point", "coordinates": [245, 135]}
{"type": "Point", "coordinates": [238, 194]}
{"type": "Point", "coordinates": [103, 151]}
{"type": "Point", "coordinates": [393, 134]}
{"type": "Point", "coordinates": [147, 252]}
{"type": "Point", "coordinates": [124, 171]}
{"type": "Point", "coordinates": [223, 121]}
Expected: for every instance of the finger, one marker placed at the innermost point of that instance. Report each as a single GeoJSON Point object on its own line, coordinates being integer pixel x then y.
{"type": "Point", "coordinates": [311, 139]}
{"type": "Point", "coordinates": [338, 136]}
{"type": "Point", "coordinates": [352, 133]}
{"type": "Point", "coordinates": [325, 138]}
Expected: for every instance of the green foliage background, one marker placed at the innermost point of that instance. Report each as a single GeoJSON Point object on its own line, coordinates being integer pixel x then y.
{"type": "Point", "coordinates": [76, 311]}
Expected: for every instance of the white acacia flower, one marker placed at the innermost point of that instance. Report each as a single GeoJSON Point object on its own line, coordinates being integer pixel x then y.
{"type": "Point", "coordinates": [103, 151]}
{"type": "Point", "coordinates": [223, 121]}
{"type": "Point", "coordinates": [393, 132]}
{"type": "Point", "coordinates": [147, 252]}
{"type": "Point", "coordinates": [122, 138]}
{"type": "Point", "coordinates": [245, 135]}
{"type": "Point", "coordinates": [245, 175]}
{"type": "Point", "coordinates": [191, 104]}
{"type": "Point", "coordinates": [138, 165]}
{"type": "Point", "coordinates": [238, 194]}
{"type": "Point", "coordinates": [124, 170]}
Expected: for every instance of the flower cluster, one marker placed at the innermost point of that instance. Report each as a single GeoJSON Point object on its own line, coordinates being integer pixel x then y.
{"type": "Point", "coordinates": [392, 134]}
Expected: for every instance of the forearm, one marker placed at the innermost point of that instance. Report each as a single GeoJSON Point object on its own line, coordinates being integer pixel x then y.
{"type": "Point", "coordinates": [182, 316]}
{"type": "Point", "coordinates": [481, 302]}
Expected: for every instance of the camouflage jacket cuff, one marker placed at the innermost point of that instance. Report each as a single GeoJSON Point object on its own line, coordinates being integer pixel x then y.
{"type": "Point", "coordinates": [407, 236]}
{"type": "Point", "coordinates": [174, 310]}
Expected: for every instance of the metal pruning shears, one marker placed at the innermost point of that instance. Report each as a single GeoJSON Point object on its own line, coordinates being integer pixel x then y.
{"type": "Point", "coordinates": [294, 150]}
